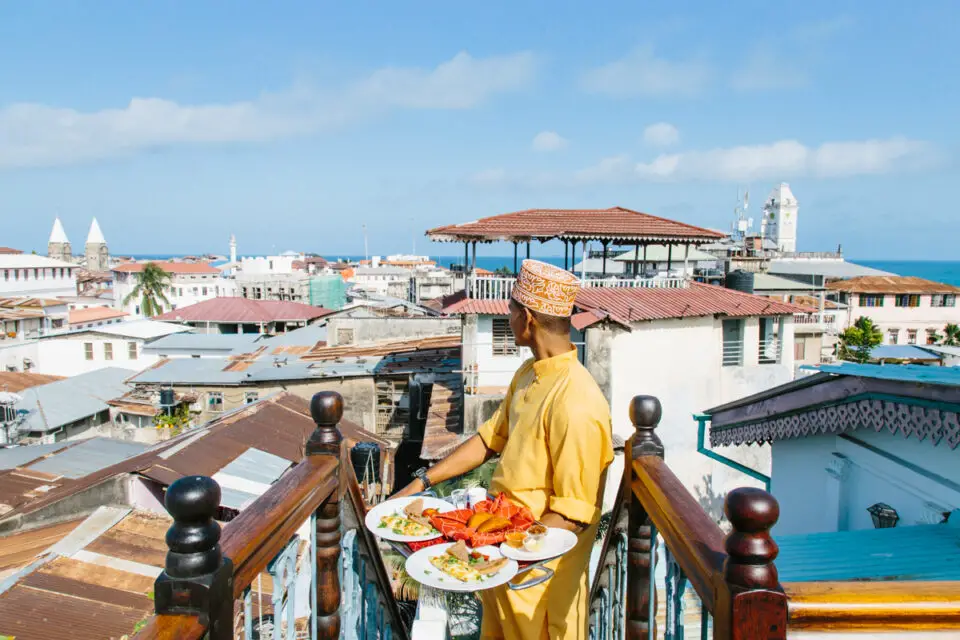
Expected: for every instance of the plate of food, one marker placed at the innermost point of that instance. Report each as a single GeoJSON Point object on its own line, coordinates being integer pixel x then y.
{"type": "Point", "coordinates": [406, 519]}
{"type": "Point", "coordinates": [538, 543]}
{"type": "Point", "coordinates": [454, 566]}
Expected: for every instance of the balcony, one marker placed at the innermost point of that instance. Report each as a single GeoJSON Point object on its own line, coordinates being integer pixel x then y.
{"type": "Point", "coordinates": [500, 287]}
{"type": "Point", "coordinates": [714, 584]}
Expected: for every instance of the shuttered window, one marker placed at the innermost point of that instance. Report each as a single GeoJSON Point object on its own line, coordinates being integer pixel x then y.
{"type": "Point", "coordinates": [503, 344]}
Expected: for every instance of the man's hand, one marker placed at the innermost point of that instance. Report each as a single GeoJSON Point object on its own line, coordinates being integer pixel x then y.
{"type": "Point", "coordinates": [557, 521]}
{"type": "Point", "coordinates": [414, 487]}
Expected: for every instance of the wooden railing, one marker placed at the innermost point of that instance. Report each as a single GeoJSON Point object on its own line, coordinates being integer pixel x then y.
{"type": "Point", "coordinates": [206, 573]}
{"type": "Point", "coordinates": [733, 574]}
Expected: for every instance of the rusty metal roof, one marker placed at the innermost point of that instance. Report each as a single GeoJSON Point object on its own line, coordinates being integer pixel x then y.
{"type": "Point", "coordinates": [479, 307]}
{"type": "Point", "coordinates": [382, 348]}
{"type": "Point", "coordinates": [94, 314]}
{"type": "Point", "coordinates": [20, 549]}
{"type": "Point", "coordinates": [444, 427]}
{"type": "Point", "coordinates": [616, 223]}
{"type": "Point", "coordinates": [14, 381]}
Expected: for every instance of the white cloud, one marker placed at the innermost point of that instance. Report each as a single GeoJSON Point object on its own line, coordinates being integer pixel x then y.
{"type": "Point", "coordinates": [780, 160]}
{"type": "Point", "coordinates": [661, 134]}
{"type": "Point", "coordinates": [41, 135]}
{"type": "Point", "coordinates": [766, 69]}
{"type": "Point", "coordinates": [642, 73]}
{"type": "Point", "coordinates": [549, 141]}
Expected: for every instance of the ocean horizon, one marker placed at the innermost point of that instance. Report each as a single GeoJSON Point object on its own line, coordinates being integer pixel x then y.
{"type": "Point", "coordinates": [946, 271]}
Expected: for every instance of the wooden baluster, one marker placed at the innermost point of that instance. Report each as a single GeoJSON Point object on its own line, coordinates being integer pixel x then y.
{"type": "Point", "coordinates": [197, 579]}
{"type": "Point", "coordinates": [645, 414]}
{"type": "Point", "coordinates": [758, 606]}
{"type": "Point", "coordinates": [326, 407]}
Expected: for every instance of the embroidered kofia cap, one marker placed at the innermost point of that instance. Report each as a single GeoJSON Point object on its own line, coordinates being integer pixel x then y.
{"type": "Point", "coordinates": [544, 288]}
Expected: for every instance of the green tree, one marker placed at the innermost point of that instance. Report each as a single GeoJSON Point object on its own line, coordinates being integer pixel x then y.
{"type": "Point", "coordinates": [857, 341]}
{"type": "Point", "coordinates": [949, 338]}
{"type": "Point", "coordinates": [150, 290]}
{"type": "Point", "coordinates": [503, 271]}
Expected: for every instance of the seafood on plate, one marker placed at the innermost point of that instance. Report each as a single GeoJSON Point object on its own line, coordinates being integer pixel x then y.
{"type": "Point", "coordinates": [465, 565]}
{"type": "Point", "coordinates": [487, 524]}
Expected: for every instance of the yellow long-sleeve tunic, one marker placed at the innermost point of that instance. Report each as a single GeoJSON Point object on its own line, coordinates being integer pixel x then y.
{"type": "Point", "coordinates": [553, 432]}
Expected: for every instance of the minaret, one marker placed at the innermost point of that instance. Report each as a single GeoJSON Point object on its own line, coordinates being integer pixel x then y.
{"type": "Point", "coordinates": [58, 247]}
{"type": "Point", "coordinates": [780, 212]}
{"type": "Point", "coordinates": [233, 248]}
{"type": "Point", "coordinates": [97, 254]}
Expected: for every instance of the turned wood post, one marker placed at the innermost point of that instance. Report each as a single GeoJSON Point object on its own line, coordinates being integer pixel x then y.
{"type": "Point", "coordinates": [326, 407]}
{"type": "Point", "coordinates": [758, 606]}
{"type": "Point", "coordinates": [197, 579]}
{"type": "Point", "coordinates": [645, 414]}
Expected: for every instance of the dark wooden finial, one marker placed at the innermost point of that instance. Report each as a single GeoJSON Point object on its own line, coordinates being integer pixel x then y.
{"type": "Point", "coordinates": [326, 407]}
{"type": "Point", "coordinates": [645, 412]}
{"type": "Point", "coordinates": [750, 549]}
{"type": "Point", "coordinates": [197, 579]}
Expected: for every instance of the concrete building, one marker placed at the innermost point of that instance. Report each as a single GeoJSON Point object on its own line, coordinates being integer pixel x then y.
{"type": "Point", "coordinates": [88, 349]}
{"type": "Point", "coordinates": [780, 213]}
{"type": "Point", "coordinates": [96, 254]}
{"type": "Point", "coordinates": [36, 276]}
{"type": "Point", "coordinates": [884, 437]}
{"type": "Point", "coordinates": [58, 247]}
{"type": "Point", "coordinates": [381, 280]}
{"type": "Point", "coordinates": [908, 310]}
{"type": "Point", "coordinates": [190, 283]}
{"type": "Point", "coordinates": [23, 319]}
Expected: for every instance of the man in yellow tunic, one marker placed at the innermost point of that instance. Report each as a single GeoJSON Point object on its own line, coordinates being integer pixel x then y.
{"type": "Point", "coordinates": [553, 434]}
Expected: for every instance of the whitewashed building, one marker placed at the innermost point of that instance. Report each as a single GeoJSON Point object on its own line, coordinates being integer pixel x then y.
{"type": "Point", "coordinates": [36, 276]}
{"type": "Point", "coordinates": [190, 283]}
{"type": "Point", "coordinates": [907, 309]}
{"type": "Point", "coordinates": [780, 212]}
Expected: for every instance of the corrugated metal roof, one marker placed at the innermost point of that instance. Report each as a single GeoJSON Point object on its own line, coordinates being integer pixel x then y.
{"type": "Point", "coordinates": [56, 404]}
{"type": "Point", "coordinates": [901, 352]}
{"type": "Point", "coordinates": [901, 372]}
{"type": "Point", "coordinates": [923, 552]}
{"type": "Point", "coordinates": [828, 268]}
{"type": "Point", "coordinates": [660, 253]}
{"type": "Point", "coordinates": [383, 348]}
{"type": "Point", "coordinates": [20, 549]}
{"type": "Point", "coordinates": [307, 336]}
{"type": "Point", "coordinates": [892, 284]}
{"type": "Point", "coordinates": [248, 476]}
{"type": "Point", "coordinates": [615, 222]}
{"type": "Point", "coordinates": [770, 282]}
{"type": "Point", "coordinates": [243, 310]}
{"type": "Point", "coordinates": [640, 304]}
{"type": "Point", "coordinates": [12, 457]}
{"type": "Point", "coordinates": [15, 382]}
{"type": "Point", "coordinates": [479, 307]}
{"type": "Point", "coordinates": [93, 314]}
{"type": "Point", "coordinates": [186, 341]}
{"type": "Point", "coordinates": [88, 456]}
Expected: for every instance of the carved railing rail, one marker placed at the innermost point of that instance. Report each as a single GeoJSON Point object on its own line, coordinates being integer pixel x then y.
{"type": "Point", "coordinates": [208, 576]}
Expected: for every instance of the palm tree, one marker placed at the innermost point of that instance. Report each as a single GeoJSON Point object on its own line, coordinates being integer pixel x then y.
{"type": "Point", "coordinates": [857, 341]}
{"type": "Point", "coordinates": [151, 290]}
{"type": "Point", "coordinates": [950, 337]}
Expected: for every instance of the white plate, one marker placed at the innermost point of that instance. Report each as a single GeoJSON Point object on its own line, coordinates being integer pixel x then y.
{"type": "Point", "coordinates": [419, 568]}
{"type": "Point", "coordinates": [391, 507]}
{"type": "Point", "coordinates": [557, 543]}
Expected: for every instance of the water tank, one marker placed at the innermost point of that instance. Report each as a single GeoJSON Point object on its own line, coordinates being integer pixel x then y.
{"type": "Point", "coordinates": [166, 398]}
{"type": "Point", "coordinates": [365, 458]}
{"type": "Point", "coordinates": [740, 280]}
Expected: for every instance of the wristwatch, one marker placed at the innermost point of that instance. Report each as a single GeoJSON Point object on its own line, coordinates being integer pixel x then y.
{"type": "Point", "coordinates": [421, 474]}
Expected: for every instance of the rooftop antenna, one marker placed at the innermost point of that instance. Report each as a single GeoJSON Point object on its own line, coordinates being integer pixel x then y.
{"type": "Point", "coordinates": [366, 250]}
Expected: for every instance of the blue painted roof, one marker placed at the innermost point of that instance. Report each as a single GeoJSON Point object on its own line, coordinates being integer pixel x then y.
{"type": "Point", "coordinates": [901, 352]}
{"type": "Point", "coordinates": [901, 372]}
{"type": "Point", "coordinates": [922, 552]}
{"type": "Point", "coordinates": [88, 457]}
{"type": "Point", "coordinates": [225, 342]}
{"type": "Point", "coordinates": [53, 405]}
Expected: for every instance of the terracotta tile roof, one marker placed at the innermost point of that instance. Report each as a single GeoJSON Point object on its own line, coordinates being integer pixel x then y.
{"type": "Point", "coordinates": [811, 302]}
{"type": "Point", "coordinates": [15, 382]}
{"type": "Point", "coordinates": [634, 305]}
{"type": "Point", "coordinates": [9, 251]}
{"type": "Point", "coordinates": [32, 303]}
{"type": "Point", "coordinates": [242, 310]}
{"type": "Point", "coordinates": [95, 314]}
{"type": "Point", "coordinates": [169, 267]}
{"type": "Point", "coordinates": [891, 284]}
{"type": "Point", "coordinates": [384, 348]}
{"type": "Point", "coordinates": [482, 307]}
{"type": "Point", "coordinates": [613, 223]}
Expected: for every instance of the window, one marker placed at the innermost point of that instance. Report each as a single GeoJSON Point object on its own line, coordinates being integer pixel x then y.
{"type": "Point", "coordinates": [503, 344]}
{"type": "Point", "coordinates": [26, 274]}
{"type": "Point", "coordinates": [799, 349]}
{"type": "Point", "coordinates": [132, 350]}
{"type": "Point", "coordinates": [732, 343]}
{"type": "Point", "coordinates": [194, 291]}
{"type": "Point", "coordinates": [214, 401]}
{"type": "Point", "coordinates": [88, 350]}
{"type": "Point", "coordinates": [911, 336]}
{"type": "Point", "coordinates": [893, 336]}
{"type": "Point", "coordinates": [908, 300]}
{"type": "Point", "coordinates": [769, 348]}
{"type": "Point", "coordinates": [344, 336]}
{"type": "Point", "coordinates": [6, 274]}
{"type": "Point", "coordinates": [250, 397]}
{"type": "Point", "coordinates": [36, 274]}
{"type": "Point", "coordinates": [108, 351]}
{"type": "Point", "coordinates": [57, 323]}
{"type": "Point", "coordinates": [204, 291]}
{"type": "Point", "coordinates": [869, 300]}
{"type": "Point", "coordinates": [944, 300]}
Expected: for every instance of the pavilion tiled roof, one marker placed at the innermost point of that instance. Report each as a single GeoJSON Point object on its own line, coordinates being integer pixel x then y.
{"type": "Point", "coordinates": [619, 224]}
{"type": "Point", "coordinates": [243, 310]}
{"type": "Point", "coordinates": [169, 266]}
{"type": "Point", "coordinates": [891, 284]}
{"type": "Point", "coordinates": [479, 307]}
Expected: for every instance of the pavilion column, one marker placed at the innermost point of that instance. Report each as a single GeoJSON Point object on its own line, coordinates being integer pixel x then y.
{"type": "Point", "coordinates": [528, 247]}
{"type": "Point", "coordinates": [583, 262]}
{"type": "Point", "coordinates": [573, 256]}
{"type": "Point", "coordinates": [686, 254]}
{"type": "Point", "coordinates": [669, 258]}
{"type": "Point", "coordinates": [514, 257]}
{"type": "Point", "coordinates": [636, 260]}
{"type": "Point", "coordinates": [466, 267]}
{"type": "Point", "coordinates": [644, 258]}
{"type": "Point", "coordinates": [473, 264]}
{"type": "Point", "coordinates": [566, 251]}
{"type": "Point", "coordinates": [605, 244]}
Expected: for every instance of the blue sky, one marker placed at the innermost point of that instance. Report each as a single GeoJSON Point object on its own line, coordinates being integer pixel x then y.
{"type": "Point", "coordinates": [293, 124]}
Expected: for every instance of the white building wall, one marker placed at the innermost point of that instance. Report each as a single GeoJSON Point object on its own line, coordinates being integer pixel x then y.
{"type": "Point", "coordinates": [23, 282]}
{"type": "Point", "coordinates": [268, 264]}
{"type": "Point", "coordinates": [185, 290]}
{"type": "Point", "coordinates": [680, 362]}
{"type": "Point", "coordinates": [924, 319]}
{"type": "Point", "coordinates": [493, 371]}
{"type": "Point", "coordinates": [67, 356]}
{"type": "Point", "coordinates": [852, 478]}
